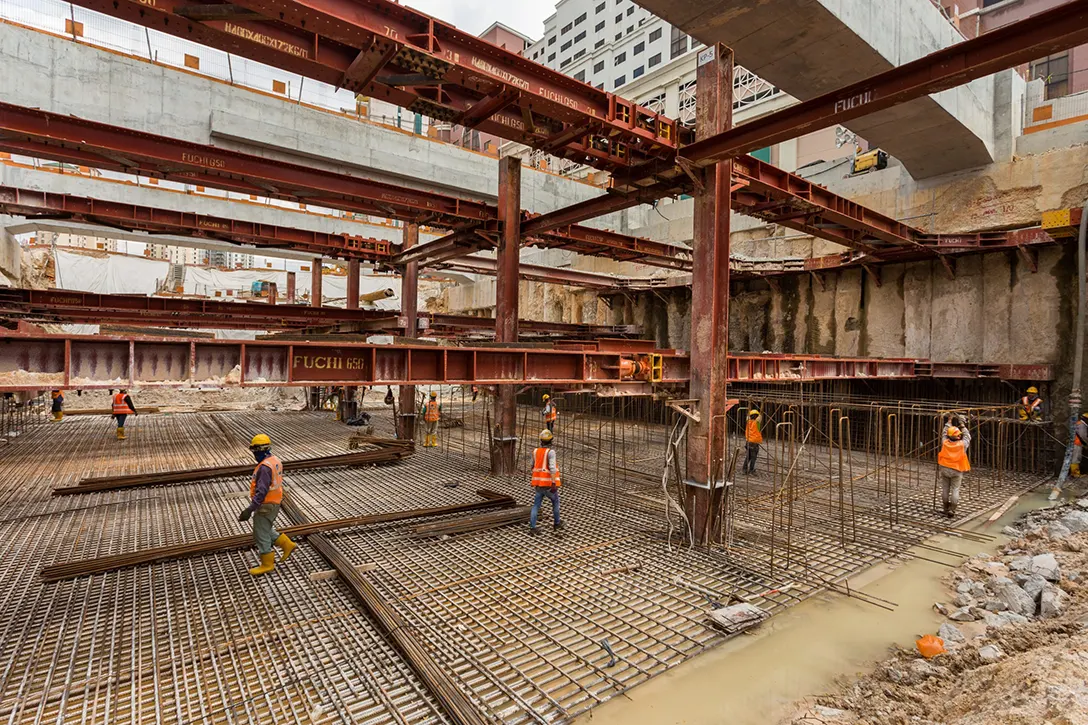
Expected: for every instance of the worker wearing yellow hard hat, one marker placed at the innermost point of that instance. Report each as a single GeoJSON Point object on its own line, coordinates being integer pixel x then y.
{"type": "Point", "coordinates": [265, 496]}
{"type": "Point", "coordinates": [546, 482]}
{"type": "Point", "coordinates": [1031, 406]}
{"type": "Point", "coordinates": [432, 413]}
{"type": "Point", "coordinates": [550, 413]}
{"type": "Point", "coordinates": [753, 439]}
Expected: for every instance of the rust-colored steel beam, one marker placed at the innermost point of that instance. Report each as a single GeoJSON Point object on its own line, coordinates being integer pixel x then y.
{"type": "Point", "coordinates": [1043, 34]}
{"type": "Point", "coordinates": [385, 50]}
{"type": "Point", "coordinates": [32, 204]}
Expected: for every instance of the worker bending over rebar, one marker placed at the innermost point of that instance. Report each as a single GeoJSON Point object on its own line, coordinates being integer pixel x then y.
{"type": "Point", "coordinates": [753, 437]}
{"type": "Point", "coordinates": [265, 496]}
{"type": "Point", "coordinates": [546, 482]}
{"type": "Point", "coordinates": [952, 462]}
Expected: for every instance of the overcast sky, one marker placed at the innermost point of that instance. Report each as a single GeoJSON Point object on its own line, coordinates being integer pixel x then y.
{"type": "Point", "coordinates": [475, 16]}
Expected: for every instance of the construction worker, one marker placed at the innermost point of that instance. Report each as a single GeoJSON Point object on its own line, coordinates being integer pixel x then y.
{"type": "Point", "coordinates": [265, 496]}
{"type": "Point", "coordinates": [58, 406]}
{"type": "Point", "coordinates": [1080, 437]}
{"type": "Point", "coordinates": [1031, 406]}
{"type": "Point", "coordinates": [475, 392]}
{"type": "Point", "coordinates": [550, 413]}
{"type": "Point", "coordinates": [546, 482]}
{"type": "Point", "coordinates": [753, 437]}
{"type": "Point", "coordinates": [952, 462]}
{"type": "Point", "coordinates": [432, 412]}
{"type": "Point", "coordinates": [123, 407]}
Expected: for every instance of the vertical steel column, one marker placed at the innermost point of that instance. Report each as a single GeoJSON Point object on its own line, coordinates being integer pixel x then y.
{"type": "Point", "coordinates": [290, 288]}
{"type": "Point", "coordinates": [710, 298]}
{"type": "Point", "coordinates": [409, 304]}
{"type": "Point", "coordinates": [506, 310]}
{"type": "Point", "coordinates": [315, 282]}
{"type": "Point", "coordinates": [353, 284]}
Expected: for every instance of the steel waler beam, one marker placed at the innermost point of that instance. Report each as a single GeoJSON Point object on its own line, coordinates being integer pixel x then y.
{"type": "Point", "coordinates": [409, 307]}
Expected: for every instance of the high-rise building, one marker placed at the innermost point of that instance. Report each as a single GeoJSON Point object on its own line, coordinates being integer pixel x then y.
{"type": "Point", "coordinates": [178, 255]}
{"type": "Point", "coordinates": [77, 241]}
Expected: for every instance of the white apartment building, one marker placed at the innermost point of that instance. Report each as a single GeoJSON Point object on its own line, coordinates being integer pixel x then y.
{"type": "Point", "coordinates": [76, 241]}
{"type": "Point", "coordinates": [619, 47]}
{"type": "Point", "coordinates": [178, 255]}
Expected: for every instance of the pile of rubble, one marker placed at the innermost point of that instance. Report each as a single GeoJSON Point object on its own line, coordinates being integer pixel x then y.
{"type": "Point", "coordinates": [1014, 651]}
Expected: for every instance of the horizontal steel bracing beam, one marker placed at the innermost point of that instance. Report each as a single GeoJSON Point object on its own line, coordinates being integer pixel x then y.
{"type": "Point", "coordinates": [385, 50]}
{"type": "Point", "coordinates": [1043, 34]}
{"type": "Point", "coordinates": [30, 361]}
{"type": "Point", "coordinates": [63, 138]}
{"type": "Point", "coordinates": [63, 306]}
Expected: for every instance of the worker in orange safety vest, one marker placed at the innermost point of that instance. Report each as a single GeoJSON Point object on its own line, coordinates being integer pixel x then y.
{"type": "Point", "coordinates": [753, 438]}
{"type": "Point", "coordinates": [952, 463]}
{"type": "Point", "coordinates": [550, 413]}
{"type": "Point", "coordinates": [123, 407]}
{"type": "Point", "coordinates": [432, 413]}
{"type": "Point", "coordinates": [1031, 406]}
{"type": "Point", "coordinates": [546, 482]}
{"type": "Point", "coordinates": [265, 497]}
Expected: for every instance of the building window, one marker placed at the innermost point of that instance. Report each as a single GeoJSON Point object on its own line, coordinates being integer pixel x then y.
{"type": "Point", "coordinates": [565, 63]}
{"type": "Point", "coordinates": [600, 86]}
{"type": "Point", "coordinates": [639, 47]}
{"type": "Point", "coordinates": [619, 36]}
{"type": "Point", "coordinates": [641, 22]}
{"type": "Point", "coordinates": [619, 81]}
{"type": "Point", "coordinates": [580, 19]}
{"type": "Point", "coordinates": [551, 40]}
{"type": "Point", "coordinates": [655, 59]}
{"type": "Point", "coordinates": [598, 44]}
{"type": "Point", "coordinates": [580, 53]}
{"type": "Point", "coordinates": [566, 45]}
{"type": "Point", "coordinates": [679, 42]}
{"type": "Point", "coordinates": [619, 58]}
{"type": "Point", "coordinates": [655, 34]}
{"type": "Point", "coordinates": [637, 72]}
{"type": "Point", "coordinates": [580, 36]}
{"type": "Point", "coordinates": [600, 8]}
{"type": "Point", "coordinates": [599, 27]}
{"type": "Point", "coordinates": [598, 67]}
{"type": "Point", "coordinates": [630, 11]}
{"type": "Point", "coordinates": [630, 29]}
{"type": "Point", "coordinates": [580, 75]}
{"type": "Point", "coordinates": [1054, 72]}
{"type": "Point", "coordinates": [551, 58]}
{"type": "Point", "coordinates": [566, 28]}
{"type": "Point", "coordinates": [619, 18]}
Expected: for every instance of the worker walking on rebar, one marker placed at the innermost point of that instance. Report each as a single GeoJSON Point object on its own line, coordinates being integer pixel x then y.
{"type": "Point", "coordinates": [123, 407]}
{"type": "Point", "coordinates": [753, 437]}
{"type": "Point", "coordinates": [58, 406]}
{"type": "Point", "coordinates": [432, 413]}
{"type": "Point", "coordinates": [265, 497]}
{"type": "Point", "coordinates": [952, 462]}
{"type": "Point", "coordinates": [1080, 437]}
{"type": "Point", "coordinates": [550, 413]}
{"type": "Point", "coordinates": [1031, 406]}
{"type": "Point", "coordinates": [546, 482]}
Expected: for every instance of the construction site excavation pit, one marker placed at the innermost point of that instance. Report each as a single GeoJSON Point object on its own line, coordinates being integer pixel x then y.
{"type": "Point", "coordinates": [527, 629]}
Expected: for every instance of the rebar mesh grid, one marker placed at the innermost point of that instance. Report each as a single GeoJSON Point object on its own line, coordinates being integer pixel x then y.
{"type": "Point", "coordinates": [519, 622]}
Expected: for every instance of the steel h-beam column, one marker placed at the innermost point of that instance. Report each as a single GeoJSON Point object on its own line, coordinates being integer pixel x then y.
{"type": "Point", "coordinates": [409, 303]}
{"type": "Point", "coordinates": [506, 309]}
{"type": "Point", "coordinates": [315, 282]}
{"type": "Point", "coordinates": [710, 301]}
{"type": "Point", "coordinates": [350, 405]}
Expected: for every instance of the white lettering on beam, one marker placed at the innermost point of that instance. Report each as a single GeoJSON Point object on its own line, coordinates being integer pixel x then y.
{"type": "Point", "coordinates": [858, 99]}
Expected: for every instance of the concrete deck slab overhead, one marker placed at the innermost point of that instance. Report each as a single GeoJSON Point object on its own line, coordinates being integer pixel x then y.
{"type": "Point", "coordinates": [811, 47]}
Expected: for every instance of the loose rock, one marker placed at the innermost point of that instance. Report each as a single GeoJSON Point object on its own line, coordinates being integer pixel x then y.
{"type": "Point", "coordinates": [990, 653]}
{"type": "Point", "coordinates": [1034, 585]}
{"type": "Point", "coordinates": [1015, 598]}
{"type": "Point", "coordinates": [1056, 531]}
{"type": "Point", "coordinates": [964, 600]}
{"type": "Point", "coordinates": [1046, 566]}
{"type": "Point", "coordinates": [1075, 521]}
{"type": "Point", "coordinates": [964, 614]}
{"type": "Point", "coordinates": [994, 605]}
{"type": "Point", "coordinates": [950, 633]}
{"type": "Point", "coordinates": [1052, 602]}
{"type": "Point", "coordinates": [1020, 563]}
{"type": "Point", "coordinates": [1004, 619]}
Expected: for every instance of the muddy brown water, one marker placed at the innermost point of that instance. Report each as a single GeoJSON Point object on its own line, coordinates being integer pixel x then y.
{"type": "Point", "coordinates": [754, 679]}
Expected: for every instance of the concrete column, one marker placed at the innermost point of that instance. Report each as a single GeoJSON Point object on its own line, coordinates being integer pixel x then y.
{"type": "Point", "coordinates": [315, 282]}
{"type": "Point", "coordinates": [506, 310]}
{"type": "Point", "coordinates": [704, 486]}
{"type": "Point", "coordinates": [409, 309]}
{"type": "Point", "coordinates": [353, 284]}
{"type": "Point", "coordinates": [291, 288]}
